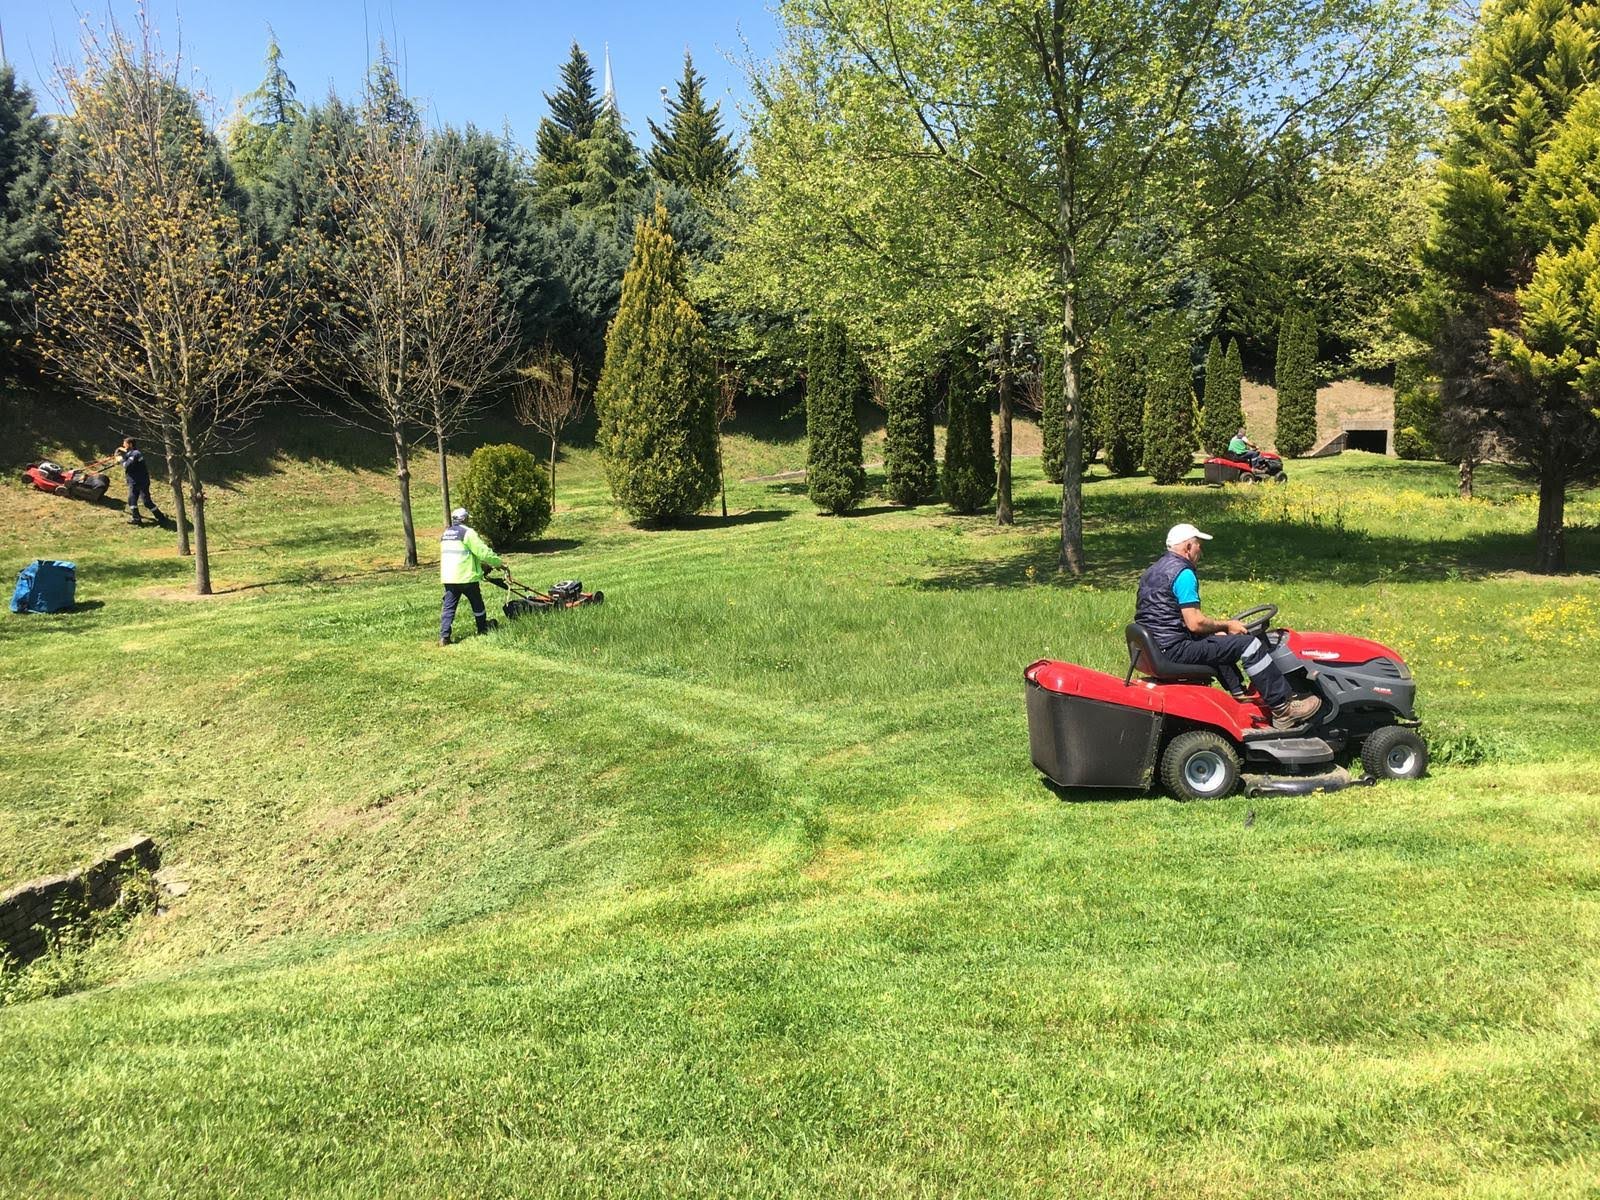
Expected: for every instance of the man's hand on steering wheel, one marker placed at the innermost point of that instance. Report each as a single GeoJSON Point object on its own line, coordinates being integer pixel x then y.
{"type": "Point", "coordinates": [1263, 614]}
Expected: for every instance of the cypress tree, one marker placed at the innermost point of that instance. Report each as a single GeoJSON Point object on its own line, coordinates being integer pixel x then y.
{"type": "Point", "coordinates": [657, 396]}
{"type": "Point", "coordinates": [835, 480]}
{"type": "Point", "coordinates": [1296, 380]}
{"type": "Point", "coordinates": [692, 151]}
{"type": "Point", "coordinates": [1120, 408]}
{"type": "Point", "coordinates": [1088, 404]}
{"type": "Point", "coordinates": [1235, 367]}
{"type": "Point", "coordinates": [1053, 419]}
{"type": "Point", "coordinates": [27, 225]}
{"type": "Point", "coordinates": [913, 477]}
{"type": "Point", "coordinates": [969, 470]}
{"type": "Point", "coordinates": [1212, 406]}
{"type": "Point", "coordinates": [1169, 419]}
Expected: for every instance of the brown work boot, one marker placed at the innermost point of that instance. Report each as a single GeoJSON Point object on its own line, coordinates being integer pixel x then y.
{"type": "Point", "coordinates": [1296, 712]}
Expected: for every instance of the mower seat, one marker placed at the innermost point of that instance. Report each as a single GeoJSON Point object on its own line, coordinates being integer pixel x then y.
{"type": "Point", "coordinates": [1145, 657]}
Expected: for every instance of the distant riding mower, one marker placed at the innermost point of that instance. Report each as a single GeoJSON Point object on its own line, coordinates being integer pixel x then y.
{"type": "Point", "coordinates": [1090, 729]}
{"type": "Point", "coordinates": [1260, 468]}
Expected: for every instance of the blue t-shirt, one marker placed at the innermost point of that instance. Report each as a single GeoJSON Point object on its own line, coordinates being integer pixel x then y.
{"type": "Point", "coordinates": [1186, 589]}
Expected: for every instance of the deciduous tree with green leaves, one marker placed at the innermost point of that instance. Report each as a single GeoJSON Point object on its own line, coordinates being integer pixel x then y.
{"type": "Point", "coordinates": [932, 141]}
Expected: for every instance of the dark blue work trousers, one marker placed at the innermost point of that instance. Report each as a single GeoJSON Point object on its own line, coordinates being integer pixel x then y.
{"type": "Point", "coordinates": [452, 597]}
{"type": "Point", "coordinates": [1223, 652]}
{"type": "Point", "coordinates": [139, 489]}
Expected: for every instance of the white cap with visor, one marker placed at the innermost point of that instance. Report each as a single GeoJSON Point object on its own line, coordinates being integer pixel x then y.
{"type": "Point", "coordinates": [1182, 532]}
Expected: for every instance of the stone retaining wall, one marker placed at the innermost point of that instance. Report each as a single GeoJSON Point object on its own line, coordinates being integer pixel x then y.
{"type": "Point", "coordinates": [32, 910]}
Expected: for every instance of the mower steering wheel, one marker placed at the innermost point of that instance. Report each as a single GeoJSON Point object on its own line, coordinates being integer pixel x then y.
{"type": "Point", "coordinates": [1263, 614]}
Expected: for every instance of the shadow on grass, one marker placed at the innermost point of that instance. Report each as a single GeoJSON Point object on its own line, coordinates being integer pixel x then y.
{"type": "Point", "coordinates": [1075, 795]}
{"type": "Point", "coordinates": [876, 510]}
{"type": "Point", "coordinates": [1123, 535]}
{"type": "Point", "coordinates": [756, 516]}
{"type": "Point", "coordinates": [544, 546]}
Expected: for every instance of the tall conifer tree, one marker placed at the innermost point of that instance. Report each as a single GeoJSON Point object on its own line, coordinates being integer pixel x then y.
{"type": "Point", "coordinates": [657, 396]}
{"type": "Point", "coordinates": [1296, 382]}
{"type": "Point", "coordinates": [913, 476]}
{"type": "Point", "coordinates": [692, 151]}
{"type": "Point", "coordinates": [27, 224]}
{"type": "Point", "coordinates": [969, 468]}
{"type": "Point", "coordinates": [835, 480]}
{"type": "Point", "coordinates": [1222, 412]}
{"type": "Point", "coordinates": [1121, 411]}
{"type": "Point", "coordinates": [1169, 440]}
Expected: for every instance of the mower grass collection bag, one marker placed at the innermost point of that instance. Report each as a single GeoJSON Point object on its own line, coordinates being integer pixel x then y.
{"type": "Point", "coordinates": [45, 586]}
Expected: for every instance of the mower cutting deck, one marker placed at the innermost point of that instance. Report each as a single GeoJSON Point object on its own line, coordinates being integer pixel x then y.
{"type": "Point", "coordinates": [1090, 729]}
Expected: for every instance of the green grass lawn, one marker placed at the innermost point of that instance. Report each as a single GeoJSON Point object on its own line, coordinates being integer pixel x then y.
{"type": "Point", "coordinates": [743, 883]}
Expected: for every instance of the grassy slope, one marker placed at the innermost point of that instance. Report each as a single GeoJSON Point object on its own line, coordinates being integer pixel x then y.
{"type": "Point", "coordinates": [742, 884]}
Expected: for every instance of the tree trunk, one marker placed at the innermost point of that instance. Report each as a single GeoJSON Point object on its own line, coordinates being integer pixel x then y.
{"type": "Point", "coordinates": [444, 472]}
{"type": "Point", "coordinates": [197, 497]}
{"type": "Point", "coordinates": [180, 511]}
{"type": "Point", "coordinates": [553, 445]}
{"type": "Point", "coordinates": [1002, 508]}
{"type": "Point", "coordinates": [1552, 554]}
{"type": "Point", "coordinates": [1464, 478]}
{"type": "Point", "coordinates": [1072, 464]}
{"type": "Point", "coordinates": [722, 475]}
{"type": "Point", "coordinates": [402, 472]}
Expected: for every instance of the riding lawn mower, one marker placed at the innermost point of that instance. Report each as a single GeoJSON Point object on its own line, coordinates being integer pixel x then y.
{"type": "Point", "coordinates": [1087, 729]}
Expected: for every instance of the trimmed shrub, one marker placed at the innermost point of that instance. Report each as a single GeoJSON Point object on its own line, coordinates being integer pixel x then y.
{"type": "Point", "coordinates": [657, 396]}
{"type": "Point", "coordinates": [507, 492]}
{"type": "Point", "coordinates": [1416, 412]}
{"type": "Point", "coordinates": [969, 470]}
{"type": "Point", "coordinates": [913, 476]}
{"type": "Point", "coordinates": [1169, 442]}
{"type": "Point", "coordinates": [1119, 407]}
{"type": "Point", "coordinates": [1296, 382]}
{"type": "Point", "coordinates": [835, 479]}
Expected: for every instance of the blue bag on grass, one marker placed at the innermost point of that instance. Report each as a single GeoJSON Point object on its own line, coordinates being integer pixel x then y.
{"type": "Point", "coordinates": [45, 586]}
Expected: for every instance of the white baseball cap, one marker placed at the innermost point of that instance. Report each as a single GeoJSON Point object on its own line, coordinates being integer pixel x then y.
{"type": "Point", "coordinates": [1181, 533]}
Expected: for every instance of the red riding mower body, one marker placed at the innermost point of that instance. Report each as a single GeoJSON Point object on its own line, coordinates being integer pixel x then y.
{"type": "Point", "coordinates": [1236, 470]}
{"type": "Point", "coordinates": [1090, 729]}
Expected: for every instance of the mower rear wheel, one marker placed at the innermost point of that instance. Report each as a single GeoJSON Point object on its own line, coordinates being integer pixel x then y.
{"type": "Point", "coordinates": [1200, 765]}
{"type": "Point", "coordinates": [1395, 752]}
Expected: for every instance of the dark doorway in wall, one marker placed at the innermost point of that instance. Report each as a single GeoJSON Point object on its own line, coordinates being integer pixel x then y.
{"type": "Point", "coordinates": [1374, 441]}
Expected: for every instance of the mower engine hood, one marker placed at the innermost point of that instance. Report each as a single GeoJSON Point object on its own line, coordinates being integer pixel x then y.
{"type": "Point", "coordinates": [1337, 648]}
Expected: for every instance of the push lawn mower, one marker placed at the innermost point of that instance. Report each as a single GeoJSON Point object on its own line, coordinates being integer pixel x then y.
{"type": "Point", "coordinates": [80, 483]}
{"type": "Point", "coordinates": [523, 599]}
{"type": "Point", "coordinates": [1090, 729]}
{"type": "Point", "coordinates": [1237, 470]}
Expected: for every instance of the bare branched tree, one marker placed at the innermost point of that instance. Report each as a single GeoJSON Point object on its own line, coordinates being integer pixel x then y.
{"type": "Point", "coordinates": [415, 328]}
{"type": "Point", "coordinates": [159, 305]}
{"type": "Point", "coordinates": [551, 394]}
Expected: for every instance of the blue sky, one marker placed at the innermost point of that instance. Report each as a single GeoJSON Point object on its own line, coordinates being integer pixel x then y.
{"type": "Point", "coordinates": [473, 60]}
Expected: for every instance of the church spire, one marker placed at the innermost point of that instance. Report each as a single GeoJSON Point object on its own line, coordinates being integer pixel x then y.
{"type": "Point", "coordinates": [609, 97]}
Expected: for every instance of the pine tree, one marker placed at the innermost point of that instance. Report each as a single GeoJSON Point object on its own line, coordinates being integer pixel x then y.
{"type": "Point", "coordinates": [835, 480]}
{"type": "Point", "coordinates": [1121, 412]}
{"type": "Point", "coordinates": [27, 223]}
{"type": "Point", "coordinates": [692, 151]}
{"type": "Point", "coordinates": [913, 476]}
{"type": "Point", "coordinates": [969, 468]}
{"type": "Point", "coordinates": [611, 173]}
{"type": "Point", "coordinates": [1169, 439]}
{"type": "Point", "coordinates": [260, 135]}
{"type": "Point", "coordinates": [587, 162]}
{"type": "Point", "coordinates": [1296, 382]}
{"type": "Point", "coordinates": [657, 396]}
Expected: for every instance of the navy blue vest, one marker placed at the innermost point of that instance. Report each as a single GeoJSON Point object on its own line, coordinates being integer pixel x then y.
{"type": "Point", "coordinates": [1157, 608]}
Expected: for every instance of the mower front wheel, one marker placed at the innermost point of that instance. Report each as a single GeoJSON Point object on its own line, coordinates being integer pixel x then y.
{"type": "Point", "coordinates": [1395, 752]}
{"type": "Point", "coordinates": [1200, 765]}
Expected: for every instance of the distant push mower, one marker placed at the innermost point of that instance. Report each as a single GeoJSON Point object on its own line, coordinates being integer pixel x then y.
{"type": "Point", "coordinates": [77, 483]}
{"type": "Point", "coordinates": [523, 599]}
{"type": "Point", "coordinates": [1087, 729]}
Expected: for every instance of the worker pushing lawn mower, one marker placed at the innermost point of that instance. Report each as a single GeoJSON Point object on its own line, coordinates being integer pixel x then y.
{"type": "Point", "coordinates": [466, 562]}
{"type": "Point", "coordinates": [1090, 729]}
